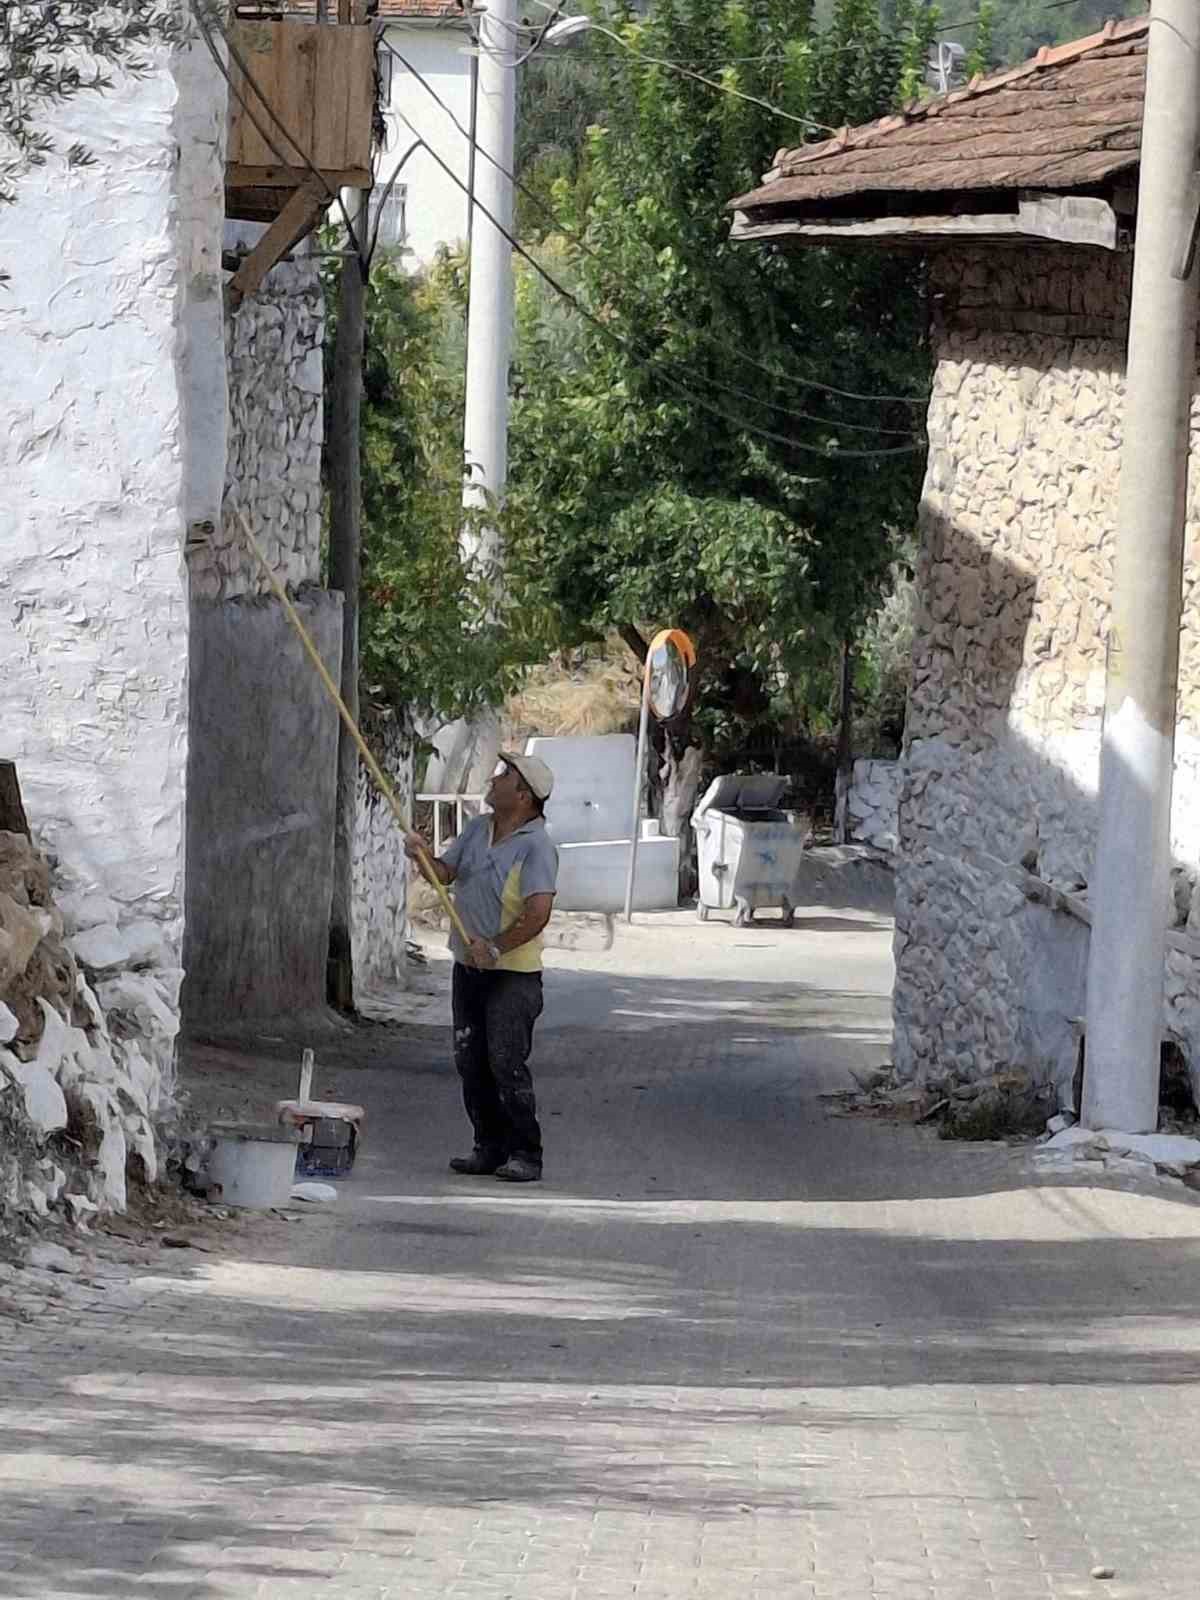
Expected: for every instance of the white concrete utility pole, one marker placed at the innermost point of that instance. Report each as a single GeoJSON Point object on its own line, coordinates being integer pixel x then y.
{"type": "Point", "coordinates": [1132, 872]}
{"type": "Point", "coordinates": [475, 743]}
{"type": "Point", "coordinates": [470, 747]}
{"type": "Point", "coordinates": [490, 301]}
{"type": "Point", "coordinates": [490, 305]}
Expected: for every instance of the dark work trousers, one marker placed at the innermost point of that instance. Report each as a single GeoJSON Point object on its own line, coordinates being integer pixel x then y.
{"type": "Point", "coordinates": [494, 1014]}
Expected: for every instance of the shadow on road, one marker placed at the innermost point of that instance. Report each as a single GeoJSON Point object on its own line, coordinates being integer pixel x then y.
{"type": "Point", "coordinates": [720, 1289]}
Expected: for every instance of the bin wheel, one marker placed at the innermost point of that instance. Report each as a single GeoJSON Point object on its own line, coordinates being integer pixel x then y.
{"type": "Point", "coordinates": [744, 917]}
{"type": "Point", "coordinates": [702, 913]}
{"type": "Point", "coordinates": [787, 913]}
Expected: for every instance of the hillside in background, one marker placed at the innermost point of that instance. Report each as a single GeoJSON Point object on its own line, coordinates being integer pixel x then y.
{"type": "Point", "coordinates": [1022, 27]}
{"type": "Point", "coordinates": [1019, 27]}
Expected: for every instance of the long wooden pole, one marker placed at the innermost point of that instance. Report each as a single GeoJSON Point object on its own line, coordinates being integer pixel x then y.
{"type": "Point", "coordinates": [364, 750]}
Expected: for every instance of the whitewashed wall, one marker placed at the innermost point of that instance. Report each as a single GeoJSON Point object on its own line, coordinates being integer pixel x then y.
{"type": "Point", "coordinates": [437, 205]}
{"type": "Point", "coordinates": [115, 278]}
{"type": "Point", "coordinates": [997, 815]}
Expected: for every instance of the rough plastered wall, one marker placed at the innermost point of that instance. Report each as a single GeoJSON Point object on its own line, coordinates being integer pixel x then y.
{"type": "Point", "coordinates": [263, 755]}
{"type": "Point", "coordinates": [998, 807]}
{"type": "Point", "coordinates": [379, 918]}
{"type": "Point", "coordinates": [114, 269]}
{"type": "Point", "coordinates": [261, 809]}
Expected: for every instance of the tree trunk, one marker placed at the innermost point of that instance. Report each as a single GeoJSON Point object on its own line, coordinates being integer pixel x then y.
{"type": "Point", "coordinates": [680, 779]}
{"type": "Point", "coordinates": [634, 640]}
{"type": "Point", "coordinates": [345, 560]}
{"type": "Point", "coordinates": [680, 776]}
{"type": "Point", "coordinates": [674, 775]}
{"type": "Point", "coordinates": [845, 746]}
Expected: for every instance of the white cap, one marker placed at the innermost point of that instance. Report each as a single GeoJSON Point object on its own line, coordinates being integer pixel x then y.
{"type": "Point", "coordinates": [536, 774]}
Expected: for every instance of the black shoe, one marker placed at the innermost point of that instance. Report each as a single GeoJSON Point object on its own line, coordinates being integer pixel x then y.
{"type": "Point", "coordinates": [479, 1164]}
{"type": "Point", "coordinates": [520, 1169]}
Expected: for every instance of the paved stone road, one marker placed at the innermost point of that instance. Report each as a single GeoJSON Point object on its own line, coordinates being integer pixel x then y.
{"type": "Point", "coordinates": [734, 1345]}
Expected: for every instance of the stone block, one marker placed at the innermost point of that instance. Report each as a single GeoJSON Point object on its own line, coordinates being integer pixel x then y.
{"type": "Point", "coordinates": [23, 929]}
{"type": "Point", "coordinates": [100, 949]}
{"type": "Point", "coordinates": [87, 910]}
{"type": "Point", "coordinates": [45, 1105]}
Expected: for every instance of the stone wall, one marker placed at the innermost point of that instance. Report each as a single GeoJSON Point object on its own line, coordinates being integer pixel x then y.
{"type": "Point", "coordinates": [998, 807]}
{"type": "Point", "coordinates": [873, 803]}
{"type": "Point", "coordinates": [262, 768]}
{"type": "Point", "coordinates": [275, 424]}
{"type": "Point", "coordinates": [114, 272]}
{"type": "Point", "coordinates": [380, 909]}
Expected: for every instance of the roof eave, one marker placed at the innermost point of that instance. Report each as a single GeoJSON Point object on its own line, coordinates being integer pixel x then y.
{"type": "Point", "coordinates": [1038, 218]}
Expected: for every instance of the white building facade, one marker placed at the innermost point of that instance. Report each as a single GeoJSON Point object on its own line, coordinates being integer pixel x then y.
{"type": "Point", "coordinates": [427, 58]}
{"type": "Point", "coordinates": [175, 752]}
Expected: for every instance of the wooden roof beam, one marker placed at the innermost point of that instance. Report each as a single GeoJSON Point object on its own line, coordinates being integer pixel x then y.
{"type": "Point", "coordinates": [297, 219]}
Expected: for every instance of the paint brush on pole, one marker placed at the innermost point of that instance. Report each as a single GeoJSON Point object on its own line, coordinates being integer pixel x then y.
{"type": "Point", "coordinates": [385, 788]}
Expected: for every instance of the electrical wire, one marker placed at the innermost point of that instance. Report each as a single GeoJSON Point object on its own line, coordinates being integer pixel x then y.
{"type": "Point", "coordinates": [719, 344]}
{"type": "Point", "coordinates": [654, 362]}
{"type": "Point", "coordinates": [525, 30]}
{"type": "Point", "coordinates": [198, 13]}
{"type": "Point", "coordinates": [686, 72]}
{"type": "Point", "coordinates": [966, 22]}
{"type": "Point", "coordinates": [530, 38]}
{"type": "Point", "coordinates": [540, 38]}
{"type": "Point", "coordinates": [417, 144]}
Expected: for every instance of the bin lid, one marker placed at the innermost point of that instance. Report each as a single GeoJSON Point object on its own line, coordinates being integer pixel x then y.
{"type": "Point", "coordinates": [744, 791]}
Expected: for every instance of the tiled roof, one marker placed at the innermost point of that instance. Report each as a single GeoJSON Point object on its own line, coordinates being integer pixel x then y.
{"type": "Point", "coordinates": [1068, 119]}
{"type": "Point", "coordinates": [429, 10]}
{"type": "Point", "coordinates": [388, 10]}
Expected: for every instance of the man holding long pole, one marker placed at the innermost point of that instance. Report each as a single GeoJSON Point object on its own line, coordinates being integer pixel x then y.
{"type": "Point", "coordinates": [504, 869]}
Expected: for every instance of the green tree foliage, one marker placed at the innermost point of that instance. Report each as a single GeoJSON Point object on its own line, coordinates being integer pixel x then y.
{"type": "Point", "coordinates": [51, 53]}
{"type": "Point", "coordinates": [435, 638]}
{"type": "Point", "coordinates": [672, 459]}
{"type": "Point", "coordinates": [560, 96]}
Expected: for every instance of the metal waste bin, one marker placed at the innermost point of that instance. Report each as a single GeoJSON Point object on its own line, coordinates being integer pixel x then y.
{"type": "Point", "coordinates": [749, 850]}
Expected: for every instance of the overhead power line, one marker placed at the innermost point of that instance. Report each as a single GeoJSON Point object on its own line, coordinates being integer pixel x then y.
{"type": "Point", "coordinates": [657, 364]}
{"type": "Point", "coordinates": [967, 22]}
{"type": "Point", "coordinates": [687, 72]}
{"type": "Point", "coordinates": [723, 345]}
{"type": "Point", "coordinates": [649, 360]}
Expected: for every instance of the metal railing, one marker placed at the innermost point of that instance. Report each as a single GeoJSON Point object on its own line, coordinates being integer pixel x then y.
{"type": "Point", "coordinates": [458, 803]}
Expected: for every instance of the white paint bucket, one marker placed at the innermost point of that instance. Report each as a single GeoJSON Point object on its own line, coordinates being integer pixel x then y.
{"type": "Point", "coordinates": [253, 1163]}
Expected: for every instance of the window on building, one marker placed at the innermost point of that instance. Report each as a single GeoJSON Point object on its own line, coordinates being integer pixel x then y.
{"type": "Point", "coordinates": [391, 215]}
{"type": "Point", "coordinates": [385, 64]}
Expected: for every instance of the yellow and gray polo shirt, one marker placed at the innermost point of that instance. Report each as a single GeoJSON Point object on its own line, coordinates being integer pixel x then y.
{"type": "Point", "coordinates": [493, 881]}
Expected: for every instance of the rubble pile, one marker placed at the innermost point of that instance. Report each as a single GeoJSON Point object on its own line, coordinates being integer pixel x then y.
{"type": "Point", "coordinates": [1165, 1155]}
{"type": "Point", "coordinates": [1012, 1106]}
{"type": "Point", "coordinates": [87, 1031]}
{"type": "Point", "coordinates": [1001, 1105]}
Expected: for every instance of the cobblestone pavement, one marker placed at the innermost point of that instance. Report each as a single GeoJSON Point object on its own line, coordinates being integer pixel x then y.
{"type": "Point", "coordinates": [734, 1345]}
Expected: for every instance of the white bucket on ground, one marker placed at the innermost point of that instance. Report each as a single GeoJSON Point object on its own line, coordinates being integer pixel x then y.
{"type": "Point", "coordinates": [254, 1164]}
